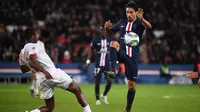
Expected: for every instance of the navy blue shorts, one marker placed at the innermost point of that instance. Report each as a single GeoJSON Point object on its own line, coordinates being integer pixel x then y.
{"type": "Point", "coordinates": [131, 65]}
{"type": "Point", "coordinates": [99, 70]}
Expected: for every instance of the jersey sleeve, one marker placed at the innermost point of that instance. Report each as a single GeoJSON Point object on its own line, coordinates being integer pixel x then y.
{"type": "Point", "coordinates": [142, 26]}
{"type": "Point", "coordinates": [116, 27]}
{"type": "Point", "coordinates": [93, 44]}
{"type": "Point", "coordinates": [20, 59]}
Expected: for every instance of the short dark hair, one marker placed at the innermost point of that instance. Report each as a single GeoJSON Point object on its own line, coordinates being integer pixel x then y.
{"type": "Point", "coordinates": [28, 33]}
{"type": "Point", "coordinates": [133, 5]}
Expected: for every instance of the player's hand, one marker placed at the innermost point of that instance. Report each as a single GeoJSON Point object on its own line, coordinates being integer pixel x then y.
{"type": "Point", "coordinates": [48, 75]}
{"type": "Point", "coordinates": [87, 64]}
{"type": "Point", "coordinates": [192, 75]}
{"type": "Point", "coordinates": [108, 25]}
{"type": "Point", "coordinates": [140, 13]}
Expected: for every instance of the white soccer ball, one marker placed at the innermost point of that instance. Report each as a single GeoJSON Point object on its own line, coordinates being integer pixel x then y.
{"type": "Point", "coordinates": [131, 39]}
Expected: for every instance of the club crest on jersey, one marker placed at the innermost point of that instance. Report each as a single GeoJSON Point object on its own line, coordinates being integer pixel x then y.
{"type": "Point", "coordinates": [33, 48]}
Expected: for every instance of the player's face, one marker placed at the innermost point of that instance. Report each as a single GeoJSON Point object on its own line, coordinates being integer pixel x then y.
{"type": "Point", "coordinates": [35, 37]}
{"type": "Point", "coordinates": [130, 13]}
{"type": "Point", "coordinates": [103, 33]}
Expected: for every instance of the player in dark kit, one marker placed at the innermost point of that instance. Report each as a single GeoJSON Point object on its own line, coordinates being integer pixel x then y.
{"type": "Point", "coordinates": [126, 54]}
{"type": "Point", "coordinates": [101, 48]}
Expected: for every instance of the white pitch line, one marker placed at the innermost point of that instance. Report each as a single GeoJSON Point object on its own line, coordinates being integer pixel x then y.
{"type": "Point", "coordinates": [173, 96]}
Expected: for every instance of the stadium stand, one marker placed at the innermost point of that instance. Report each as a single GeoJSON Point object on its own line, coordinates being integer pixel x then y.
{"type": "Point", "coordinates": [69, 26]}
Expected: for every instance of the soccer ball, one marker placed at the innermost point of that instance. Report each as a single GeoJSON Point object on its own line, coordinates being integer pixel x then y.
{"type": "Point", "coordinates": [131, 39]}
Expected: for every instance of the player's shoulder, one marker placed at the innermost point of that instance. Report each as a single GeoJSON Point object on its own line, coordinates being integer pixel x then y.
{"type": "Point", "coordinates": [138, 21]}
{"type": "Point", "coordinates": [109, 38]}
{"type": "Point", "coordinates": [31, 46]}
{"type": "Point", "coordinates": [97, 38]}
{"type": "Point", "coordinates": [22, 51]}
{"type": "Point", "coordinates": [122, 21]}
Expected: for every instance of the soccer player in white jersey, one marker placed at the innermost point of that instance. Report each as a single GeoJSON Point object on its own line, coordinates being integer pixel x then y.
{"type": "Point", "coordinates": [34, 86]}
{"type": "Point", "coordinates": [48, 77]}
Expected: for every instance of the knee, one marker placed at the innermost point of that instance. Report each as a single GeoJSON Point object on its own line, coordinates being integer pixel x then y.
{"type": "Point", "coordinates": [97, 84]}
{"type": "Point", "coordinates": [109, 82]}
{"type": "Point", "coordinates": [50, 109]}
{"type": "Point", "coordinates": [73, 87]}
{"type": "Point", "coordinates": [97, 81]}
{"type": "Point", "coordinates": [131, 86]}
{"type": "Point", "coordinates": [115, 44]}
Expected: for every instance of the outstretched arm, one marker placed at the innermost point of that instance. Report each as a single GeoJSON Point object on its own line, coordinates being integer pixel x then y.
{"type": "Point", "coordinates": [89, 57]}
{"type": "Point", "coordinates": [144, 21]}
{"type": "Point", "coordinates": [34, 64]}
{"type": "Point", "coordinates": [91, 53]}
{"type": "Point", "coordinates": [110, 29]}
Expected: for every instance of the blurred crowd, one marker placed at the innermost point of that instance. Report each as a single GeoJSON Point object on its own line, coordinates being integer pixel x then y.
{"type": "Point", "coordinates": [67, 28]}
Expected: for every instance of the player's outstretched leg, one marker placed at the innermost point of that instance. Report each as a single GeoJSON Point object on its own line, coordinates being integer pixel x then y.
{"type": "Point", "coordinates": [130, 95]}
{"type": "Point", "coordinates": [114, 48]}
{"type": "Point", "coordinates": [97, 88]}
{"type": "Point", "coordinates": [73, 87]}
{"type": "Point", "coordinates": [107, 88]}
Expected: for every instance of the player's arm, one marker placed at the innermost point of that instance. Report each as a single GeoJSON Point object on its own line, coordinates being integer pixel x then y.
{"type": "Point", "coordinates": [24, 68]}
{"type": "Point", "coordinates": [90, 55]}
{"type": "Point", "coordinates": [109, 28]}
{"type": "Point", "coordinates": [146, 23]}
{"type": "Point", "coordinates": [34, 64]}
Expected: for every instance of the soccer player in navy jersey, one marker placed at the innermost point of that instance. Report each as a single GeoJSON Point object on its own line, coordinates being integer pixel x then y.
{"type": "Point", "coordinates": [126, 54]}
{"type": "Point", "coordinates": [100, 46]}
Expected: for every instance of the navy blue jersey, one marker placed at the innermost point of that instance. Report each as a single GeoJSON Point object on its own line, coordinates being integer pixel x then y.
{"type": "Point", "coordinates": [124, 27]}
{"type": "Point", "coordinates": [102, 47]}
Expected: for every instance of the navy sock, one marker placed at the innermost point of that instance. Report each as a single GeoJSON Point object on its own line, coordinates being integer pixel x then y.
{"type": "Point", "coordinates": [130, 98]}
{"type": "Point", "coordinates": [97, 87]}
{"type": "Point", "coordinates": [107, 88]}
{"type": "Point", "coordinates": [113, 57]}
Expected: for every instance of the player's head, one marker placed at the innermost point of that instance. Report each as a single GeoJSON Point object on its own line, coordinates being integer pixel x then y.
{"type": "Point", "coordinates": [31, 35]}
{"type": "Point", "coordinates": [131, 9]}
{"type": "Point", "coordinates": [103, 31]}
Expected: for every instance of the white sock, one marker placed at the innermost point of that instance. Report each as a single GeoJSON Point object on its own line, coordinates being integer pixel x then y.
{"type": "Point", "coordinates": [35, 110]}
{"type": "Point", "coordinates": [34, 83]}
{"type": "Point", "coordinates": [87, 109]}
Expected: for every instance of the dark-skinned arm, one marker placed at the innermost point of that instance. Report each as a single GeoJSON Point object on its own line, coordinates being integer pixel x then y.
{"type": "Point", "coordinates": [34, 64]}
{"type": "Point", "coordinates": [24, 68]}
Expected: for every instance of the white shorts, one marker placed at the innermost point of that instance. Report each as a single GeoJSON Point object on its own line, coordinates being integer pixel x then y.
{"type": "Point", "coordinates": [60, 80]}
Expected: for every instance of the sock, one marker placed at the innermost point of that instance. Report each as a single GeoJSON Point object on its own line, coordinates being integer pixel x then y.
{"type": "Point", "coordinates": [87, 109]}
{"type": "Point", "coordinates": [34, 84]}
{"type": "Point", "coordinates": [113, 57]}
{"type": "Point", "coordinates": [107, 88]}
{"type": "Point", "coordinates": [97, 87]}
{"type": "Point", "coordinates": [130, 98]}
{"type": "Point", "coordinates": [35, 110]}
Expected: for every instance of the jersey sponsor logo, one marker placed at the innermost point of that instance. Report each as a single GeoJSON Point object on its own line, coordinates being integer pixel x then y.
{"type": "Point", "coordinates": [122, 37]}
{"type": "Point", "coordinates": [134, 77]}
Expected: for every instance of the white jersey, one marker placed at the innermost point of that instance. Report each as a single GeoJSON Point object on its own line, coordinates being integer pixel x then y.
{"type": "Point", "coordinates": [42, 58]}
{"type": "Point", "coordinates": [60, 78]}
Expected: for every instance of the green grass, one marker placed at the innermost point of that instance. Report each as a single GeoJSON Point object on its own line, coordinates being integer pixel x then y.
{"type": "Point", "coordinates": [149, 98]}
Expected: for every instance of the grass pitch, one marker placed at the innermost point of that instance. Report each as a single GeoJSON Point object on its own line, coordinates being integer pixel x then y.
{"type": "Point", "coordinates": [149, 98]}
